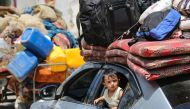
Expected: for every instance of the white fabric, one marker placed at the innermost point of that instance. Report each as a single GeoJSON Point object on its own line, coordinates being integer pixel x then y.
{"type": "Point", "coordinates": [158, 6]}
{"type": "Point", "coordinates": [184, 23]}
{"type": "Point", "coordinates": [114, 100]}
{"type": "Point", "coordinates": [182, 8]}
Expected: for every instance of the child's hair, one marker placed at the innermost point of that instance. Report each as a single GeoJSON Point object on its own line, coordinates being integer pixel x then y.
{"type": "Point", "coordinates": [110, 73]}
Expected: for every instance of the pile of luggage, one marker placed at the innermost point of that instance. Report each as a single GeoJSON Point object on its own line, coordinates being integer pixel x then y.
{"type": "Point", "coordinates": [157, 46]}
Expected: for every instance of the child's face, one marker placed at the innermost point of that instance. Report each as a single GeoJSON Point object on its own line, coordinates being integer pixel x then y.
{"type": "Point", "coordinates": [111, 83]}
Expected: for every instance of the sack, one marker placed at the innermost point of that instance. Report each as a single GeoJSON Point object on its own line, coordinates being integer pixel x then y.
{"type": "Point", "coordinates": [162, 5]}
{"type": "Point", "coordinates": [158, 26]}
{"type": "Point", "coordinates": [182, 6]}
{"type": "Point", "coordinates": [103, 20]}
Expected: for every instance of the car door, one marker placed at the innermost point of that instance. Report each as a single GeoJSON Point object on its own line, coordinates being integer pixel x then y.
{"type": "Point", "coordinates": [76, 90]}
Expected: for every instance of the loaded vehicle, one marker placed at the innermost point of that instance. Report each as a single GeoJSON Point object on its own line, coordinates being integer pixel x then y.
{"type": "Point", "coordinates": [85, 85]}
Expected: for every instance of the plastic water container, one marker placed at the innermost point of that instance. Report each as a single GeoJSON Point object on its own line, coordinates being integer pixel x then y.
{"type": "Point", "coordinates": [44, 74]}
{"type": "Point", "coordinates": [22, 64]}
{"type": "Point", "coordinates": [36, 42]}
{"type": "Point", "coordinates": [57, 60]}
{"type": "Point", "coordinates": [73, 57]}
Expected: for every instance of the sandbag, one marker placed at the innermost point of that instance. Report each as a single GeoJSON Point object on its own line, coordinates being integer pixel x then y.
{"type": "Point", "coordinates": [44, 12]}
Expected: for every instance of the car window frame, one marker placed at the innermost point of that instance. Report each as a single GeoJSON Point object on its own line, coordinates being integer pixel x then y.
{"type": "Point", "coordinates": [129, 75]}
{"type": "Point", "coordinates": [132, 79]}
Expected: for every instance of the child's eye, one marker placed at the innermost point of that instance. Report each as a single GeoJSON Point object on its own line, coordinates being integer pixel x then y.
{"type": "Point", "coordinates": [114, 80]}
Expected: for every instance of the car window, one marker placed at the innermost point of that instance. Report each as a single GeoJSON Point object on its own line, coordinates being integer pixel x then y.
{"type": "Point", "coordinates": [128, 96]}
{"type": "Point", "coordinates": [177, 90]}
{"type": "Point", "coordinates": [78, 88]}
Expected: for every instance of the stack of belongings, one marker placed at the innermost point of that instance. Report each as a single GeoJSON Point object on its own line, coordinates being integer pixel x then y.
{"type": "Point", "coordinates": [92, 53]}
{"type": "Point", "coordinates": [166, 53]}
{"type": "Point", "coordinates": [9, 32]}
{"type": "Point", "coordinates": [50, 23]}
{"type": "Point", "coordinates": [47, 23]}
{"type": "Point", "coordinates": [117, 52]}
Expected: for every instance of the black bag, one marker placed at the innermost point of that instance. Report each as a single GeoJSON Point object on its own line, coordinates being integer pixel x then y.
{"type": "Point", "coordinates": [144, 4]}
{"type": "Point", "coordinates": [103, 21]}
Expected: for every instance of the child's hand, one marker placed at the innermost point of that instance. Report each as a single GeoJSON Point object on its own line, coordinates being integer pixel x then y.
{"type": "Point", "coordinates": [96, 101]}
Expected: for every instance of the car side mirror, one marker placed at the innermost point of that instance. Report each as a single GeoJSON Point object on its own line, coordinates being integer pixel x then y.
{"type": "Point", "coordinates": [48, 92]}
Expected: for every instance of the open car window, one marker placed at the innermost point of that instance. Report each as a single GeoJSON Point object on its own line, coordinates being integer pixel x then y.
{"type": "Point", "coordinates": [77, 89]}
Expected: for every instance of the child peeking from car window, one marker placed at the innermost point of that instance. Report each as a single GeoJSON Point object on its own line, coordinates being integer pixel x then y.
{"type": "Point", "coordinates": [113, 92]}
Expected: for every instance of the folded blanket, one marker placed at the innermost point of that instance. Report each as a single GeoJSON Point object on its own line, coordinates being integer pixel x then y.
{"type": "Point", "coordinates": [92, 53]}
{"type": "Point", "coordinates": [118, 59]}
{"type": "Point", "coordinates": [120, 44]}
{"type": "Point", "coordinates": [152, 63]}
{"type": "Point", "coordinates": [102, 59]}
{"type": "Point", "coordinates": [116, 52]}
{"type": "Point", "coordinates": [161, 48]}
{"type": "Point", "coordinates": [160, 72]}
{"type": "Point", "coordinates": [90, 47]}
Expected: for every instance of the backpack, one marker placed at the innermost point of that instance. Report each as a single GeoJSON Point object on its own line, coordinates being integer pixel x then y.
{"type": "Point", "coordinates": [144, 4]}
{"type": "Point", "coordinates": [158, 26]}
{"type": "Point", "coordinates": [103, 21]}
{"type": "Point", "coordinates": [161, 5]}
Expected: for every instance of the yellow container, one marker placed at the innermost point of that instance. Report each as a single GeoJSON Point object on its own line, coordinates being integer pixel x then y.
{"type": "Point", "coordinates": [73, 57]}
{"type": "Point", "coordinates": [57, 60]}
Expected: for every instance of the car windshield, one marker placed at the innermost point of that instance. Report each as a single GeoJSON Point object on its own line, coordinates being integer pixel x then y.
{"type": "Point", "coordinates": [177, 90]}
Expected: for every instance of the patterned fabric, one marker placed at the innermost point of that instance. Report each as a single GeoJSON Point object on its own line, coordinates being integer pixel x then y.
{"type": "Point", "coordinates": [92, 53]}
{"type": "Point", "coordinates": [176, 34]}
{"type": "Point", "coordinates": [89, 47]}
{"type": "Point", "coordinates": [44, 74]}
{"type": "Point", "coordinates": [118, 59]}
{"type": "Point", "coordinates": [62, 41]}
{"type": "Point", "coordinates": [160, 72]}
{"type": "Point", "coordinates": [101, 59]}
{"type": "Point", "coordinates": [152, 63]}
{"type": "Point", "coordinates": [161, 48]}
{"type": "Point", "coordinates": [116, 52]}
{"type": "Point", "coordinates": [120, 44]}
